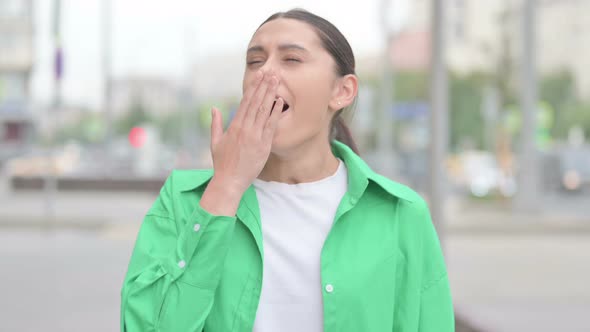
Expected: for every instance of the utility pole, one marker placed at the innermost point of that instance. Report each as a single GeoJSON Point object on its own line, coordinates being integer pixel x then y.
{"type": "Point", "coordinates": [528, 165]}
{"type": "Point", "coordinates": [385, 125]}
{"type": "Point", "coordinates": [107, 88]}
{"type": "Point", "coordinates": [50, 185]}
{"type": "Point", "coordinates": [439, 115]}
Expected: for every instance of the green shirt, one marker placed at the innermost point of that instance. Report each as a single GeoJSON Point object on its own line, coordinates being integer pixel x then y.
{"type": "Point", "coordinates": [193, 271]}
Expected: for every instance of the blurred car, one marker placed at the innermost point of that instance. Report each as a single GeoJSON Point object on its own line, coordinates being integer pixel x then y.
{"type": "Point", "coordinates": [567, 168]}
{"type": "Point", "coordinates": [574, 168]}
{"type": "Point", "coordinates": [481, 176]}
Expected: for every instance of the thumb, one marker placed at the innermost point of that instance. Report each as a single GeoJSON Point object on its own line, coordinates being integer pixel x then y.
{"type": "Point", "coordinates": [216, 126]}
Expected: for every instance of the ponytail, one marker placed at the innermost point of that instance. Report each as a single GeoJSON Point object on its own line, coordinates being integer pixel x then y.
{"type": "Point", "coordinates": [341, 132]}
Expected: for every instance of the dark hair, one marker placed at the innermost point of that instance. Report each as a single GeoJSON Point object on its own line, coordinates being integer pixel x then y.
{"type": "Point", "coordinates": [336, 44]}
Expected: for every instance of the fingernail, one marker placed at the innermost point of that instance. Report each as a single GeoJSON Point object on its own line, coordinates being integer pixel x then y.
{"type": "Point", "coordinates": [259, 74]}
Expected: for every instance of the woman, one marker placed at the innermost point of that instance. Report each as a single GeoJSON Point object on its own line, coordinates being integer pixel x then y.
{"type": "Point", "coordinates": [291, 230]}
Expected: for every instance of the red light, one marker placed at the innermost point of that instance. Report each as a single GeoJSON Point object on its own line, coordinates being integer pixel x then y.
{"type": "Point", "coordinates": [137, 137]}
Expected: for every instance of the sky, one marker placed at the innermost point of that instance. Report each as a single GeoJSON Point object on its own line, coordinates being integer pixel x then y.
{"type": "Point", "coordinates": [164, 38]}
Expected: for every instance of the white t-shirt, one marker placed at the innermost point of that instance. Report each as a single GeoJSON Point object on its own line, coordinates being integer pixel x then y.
{"type": "Point", "coordinates": [296, 219]}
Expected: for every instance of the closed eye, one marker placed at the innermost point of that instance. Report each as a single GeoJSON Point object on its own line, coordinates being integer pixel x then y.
{"type": "Point", "coordinates": [250, 63]}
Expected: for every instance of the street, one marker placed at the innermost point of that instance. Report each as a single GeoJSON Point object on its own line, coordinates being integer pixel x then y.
{"type": "Point", "coordinates": [67, 280]}
{"type": "Point", "coordinates": [522, 282]}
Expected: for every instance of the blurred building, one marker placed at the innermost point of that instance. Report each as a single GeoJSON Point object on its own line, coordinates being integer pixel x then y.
{"type": "Point", "coordinates": [155, 95]}
{"type": "Point", "coordinates": [474, 31]}
{"type": "Point", "coordinates": [563, 31]}
{"type": "Point", "coordinates": [411, 50]}
{"type": "Point", "coordinates": [486, 35]}
{"type": "Point", "coordinates": [16, 62]}
{"type": "Point", "coordinates": [219, 76]}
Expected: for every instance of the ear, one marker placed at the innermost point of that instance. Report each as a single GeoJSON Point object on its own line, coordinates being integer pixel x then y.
{"type": "Point", "coordinates": [345, 89]}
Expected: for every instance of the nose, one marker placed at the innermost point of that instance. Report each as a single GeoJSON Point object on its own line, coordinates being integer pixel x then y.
{"type": "Point", "coordinates": [270, 67]}
{"type": "Point", "coordinates": [268, 71]}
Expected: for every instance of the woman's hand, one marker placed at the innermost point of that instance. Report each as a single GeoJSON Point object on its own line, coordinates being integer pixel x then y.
{"type": "Point", "coordinates": [240, 153]}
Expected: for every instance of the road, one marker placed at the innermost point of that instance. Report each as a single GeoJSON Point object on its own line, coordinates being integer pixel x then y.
{"type": "Point", "coordinates": [70, 280]}
{"type": "Point", "coordinates": [508, 271]}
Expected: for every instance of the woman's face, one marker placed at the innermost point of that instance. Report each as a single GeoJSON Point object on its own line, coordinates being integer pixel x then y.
{"type": "Point", "coordinates": [308, 82]}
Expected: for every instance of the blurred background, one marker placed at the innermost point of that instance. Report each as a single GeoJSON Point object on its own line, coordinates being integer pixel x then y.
{"type": "Point", "coordinates": [481, 106]}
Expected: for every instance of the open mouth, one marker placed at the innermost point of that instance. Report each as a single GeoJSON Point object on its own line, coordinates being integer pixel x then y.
{"type": "Point", "coordinates": [285, 106]}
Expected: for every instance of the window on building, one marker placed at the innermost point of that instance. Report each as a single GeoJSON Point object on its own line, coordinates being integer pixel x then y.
{"type": "Point", "coordinates": [8, 41]}
{"type": "Point", "coordinates": [14, 8]}
{"type": "Point", "coordinates": [457, 20]}
{"type": "Point", "coordinates": [459, 30]}
{"type": "Point", "coordinates": [12, 132]}
{"type": "Point", "coordinates": [12, 87]}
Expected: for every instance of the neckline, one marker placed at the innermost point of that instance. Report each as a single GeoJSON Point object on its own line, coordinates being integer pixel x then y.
{"type": "Point", "coordinates": [302, 185]}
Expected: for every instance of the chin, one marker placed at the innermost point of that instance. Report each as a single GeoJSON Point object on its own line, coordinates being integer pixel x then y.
{"type": "Point", "coordinates": [279, 145]}
{"type": "Point", "coordinates": [283, 143]}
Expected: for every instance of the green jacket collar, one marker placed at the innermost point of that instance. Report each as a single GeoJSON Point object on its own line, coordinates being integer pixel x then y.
{"type": "Point", "coordinates": [359, 175]}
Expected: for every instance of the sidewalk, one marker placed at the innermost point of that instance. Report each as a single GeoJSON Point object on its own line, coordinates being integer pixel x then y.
{"type": "Point", "coordinates": [71, 209]}
{"type": "Point", "coordinates": [508, 271]}
{"type": "Point", "coordinates": [93, 210]}
{"type": "Point", "coordinates": [74, 210]}
{"type": "Point", "coordinates": [554, 216]}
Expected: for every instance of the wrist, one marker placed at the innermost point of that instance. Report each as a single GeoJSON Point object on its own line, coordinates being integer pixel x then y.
{"type": "Point", "coordinates": [221, 197]}
{"type": "Point", "coordinates": [232, 190]}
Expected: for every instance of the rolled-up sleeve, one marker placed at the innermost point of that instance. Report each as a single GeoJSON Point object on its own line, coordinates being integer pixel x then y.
{"type": "Point", "coordinates": [175, 267]}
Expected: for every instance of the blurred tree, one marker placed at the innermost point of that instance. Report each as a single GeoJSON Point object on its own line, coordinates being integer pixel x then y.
{"type": "Point", "coordinates": [89, 129]}
{"type": "Point", "coordinates": [184, 126]}
{"type": "Point", "coordinates": [176, 125]}
{"type": "Point", "coordinates": [411, 86]}
{"type": "Point", "coordinates": [136, 116]}
{"type": "Point", "coordinates": [571, 115]}
{"type": "Point", "coordinates": [170, 127]}
{"type": "Point", "coordinates": [557, 89]}
{"type": "Point", "coordinates": [466, 121]}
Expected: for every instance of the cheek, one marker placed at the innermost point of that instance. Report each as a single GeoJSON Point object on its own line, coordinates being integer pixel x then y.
{"type": "Point", "coordinates": [248, 81]}
{"type": "Point", "coordinates": [310, 89]}
{"type": "Point", "coordinates": [315, 98]}
{"type": "Point", "coordinates": [311, 111]}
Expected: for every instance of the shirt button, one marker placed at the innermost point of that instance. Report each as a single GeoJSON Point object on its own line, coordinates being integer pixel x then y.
{"type": "Point", "coordinates": [197, 227]}
{"type": "Point", "coordinates": [353, 200]}
{"type": "Point", "coordinates": [329, 288]}
{"type": "Point", "coordinates": [181, 264]}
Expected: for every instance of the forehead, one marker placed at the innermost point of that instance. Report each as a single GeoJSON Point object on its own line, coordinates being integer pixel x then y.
{"type": "Point", "coordinates": [284, 30]}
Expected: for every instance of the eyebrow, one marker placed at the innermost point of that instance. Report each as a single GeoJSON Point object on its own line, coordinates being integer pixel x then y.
{"type": "Point", "coordinates": [282, 47]}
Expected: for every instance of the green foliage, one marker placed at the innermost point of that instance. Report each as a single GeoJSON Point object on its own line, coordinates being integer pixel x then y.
{"type": "Point", "coordinates": [137, 115]}
{"type": "Point", "coordinates": [557, 89]}
{"type": "Point", "coordinates": [466, 121]}
{"type": "Point", "coordinates": [411, 86]}
{"type": "Point", "coordinates": [573, 114]}
{"type": "Point", "coordinates": [88, 129]}
{"type": "Point", "coordinates": [174, 126]}
{"type": "Point", "coordinates": [465, 98]}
